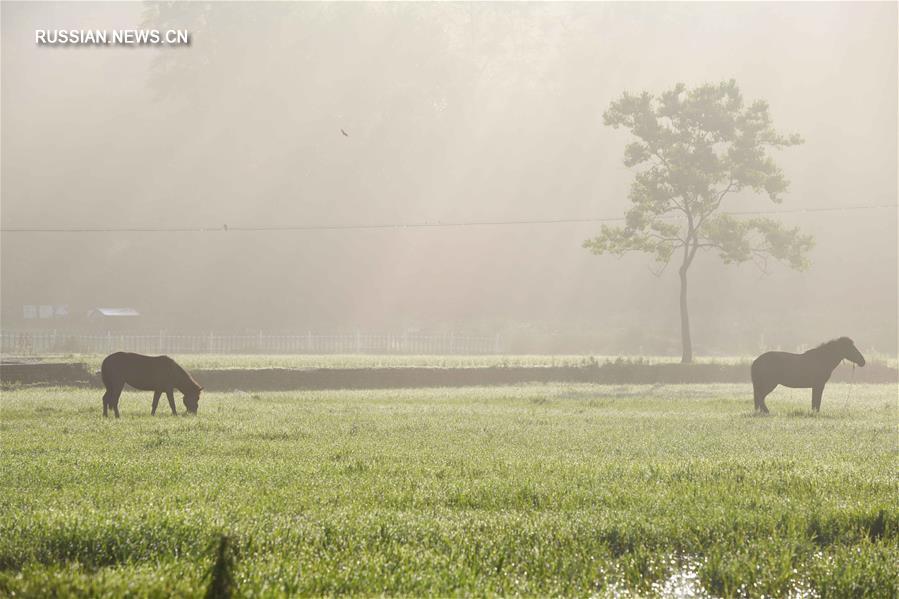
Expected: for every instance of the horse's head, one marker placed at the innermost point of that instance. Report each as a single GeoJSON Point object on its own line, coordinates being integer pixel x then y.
{"type": "Point", "coordinates": [192, 400]}
{"type": "Point", "coordinates": [850, 352]}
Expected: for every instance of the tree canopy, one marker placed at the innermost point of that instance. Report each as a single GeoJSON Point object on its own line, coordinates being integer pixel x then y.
{"type": "Point", "coordinates": [698, 146]}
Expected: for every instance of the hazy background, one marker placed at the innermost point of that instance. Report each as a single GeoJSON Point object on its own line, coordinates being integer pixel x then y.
{"type": "Point", "coordinates": [454, 112]}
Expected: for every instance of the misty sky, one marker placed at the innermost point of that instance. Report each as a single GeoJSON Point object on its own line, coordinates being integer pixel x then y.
{"type": "Point", "coordinates": [454, 112]}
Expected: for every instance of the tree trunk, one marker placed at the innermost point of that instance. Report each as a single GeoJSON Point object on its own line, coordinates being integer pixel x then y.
{"type": "Point", "coordinates": [686, 342]}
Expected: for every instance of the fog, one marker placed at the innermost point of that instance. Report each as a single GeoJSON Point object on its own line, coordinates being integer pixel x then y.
{"type": "Point", "coordinates": [331, 115]}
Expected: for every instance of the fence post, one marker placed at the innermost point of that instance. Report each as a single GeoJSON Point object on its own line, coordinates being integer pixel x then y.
{"type": "Point", "coordinates": [211, 341]}
{"type": "Point", "coordinates": [496, 345]}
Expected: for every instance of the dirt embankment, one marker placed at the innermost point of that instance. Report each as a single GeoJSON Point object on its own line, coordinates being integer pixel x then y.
{"type": "Point", "coordinates": [40, 373]}
{"type": "Point", "coordinates": [285, 379]}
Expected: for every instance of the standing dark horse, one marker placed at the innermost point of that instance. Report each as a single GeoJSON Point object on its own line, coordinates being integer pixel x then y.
{"type": "Point", "coordinates": [809, 370]}
{"type": "Point", "coordinates": [159, 374]}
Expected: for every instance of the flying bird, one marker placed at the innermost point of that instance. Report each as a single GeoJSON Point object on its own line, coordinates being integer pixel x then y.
{"type": "Point", "coordinates": [345, 134]}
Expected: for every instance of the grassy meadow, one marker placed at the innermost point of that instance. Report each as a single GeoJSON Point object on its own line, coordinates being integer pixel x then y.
{"type": "Point", "coordinates": [532, 490]}
{"type": "Point", "coordinates": [250, 361]}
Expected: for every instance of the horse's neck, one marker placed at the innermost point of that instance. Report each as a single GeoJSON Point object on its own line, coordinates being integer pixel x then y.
{"type": "Point", "coordinates": [830, 356]}
{"type": "Point", "coordinates": [183, 381]}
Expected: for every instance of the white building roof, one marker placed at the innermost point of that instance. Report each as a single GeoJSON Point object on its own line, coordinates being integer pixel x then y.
{"type": "Point", "coordinates": [117, 311]}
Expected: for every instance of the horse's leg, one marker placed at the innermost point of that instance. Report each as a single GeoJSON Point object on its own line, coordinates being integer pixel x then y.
{"type": "Point", "coordinates": [760, 396]}
{"type": "Point", "coordinates": [114, 402]}
{"type": "Point", "coordinates": [817, 392]}
{"type": "Point", "coordinates": [111, 397]}
{"type": "Point", "coordinates": [171, 399]}
{"type": "Point", "coordinates": [156, 395]}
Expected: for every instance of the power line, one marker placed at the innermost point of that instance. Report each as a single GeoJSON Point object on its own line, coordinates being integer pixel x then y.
{"type": "Point", "coordinates": [412, 225]}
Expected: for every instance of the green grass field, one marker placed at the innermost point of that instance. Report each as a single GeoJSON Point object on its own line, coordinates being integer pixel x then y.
{"type": "Point", "coordinates": [213, 361]}
{"type": "Point", "coordinates": [532, 490]}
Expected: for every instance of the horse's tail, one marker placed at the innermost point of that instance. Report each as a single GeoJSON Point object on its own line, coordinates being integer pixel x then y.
{"type": "Point", "coordinates": [754, 370]}
{"type": "Point", "coordinates": [760, 370]}
{"type": "Point", "coordinates": [104, 371]}
{"type": "Point", "coordinates": [107, 369]}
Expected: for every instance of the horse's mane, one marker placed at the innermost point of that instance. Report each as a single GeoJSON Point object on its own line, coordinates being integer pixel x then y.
{"type": "Point", "coordinates": [834, 342]}
{"type": "Point", "coordinates": [197, 386]}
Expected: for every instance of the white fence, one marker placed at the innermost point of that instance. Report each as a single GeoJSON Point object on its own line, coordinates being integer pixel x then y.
{"type": "Point", "coordinates": [44, 342]}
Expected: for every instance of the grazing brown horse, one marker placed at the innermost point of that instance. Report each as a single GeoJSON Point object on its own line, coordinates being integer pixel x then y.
{"type": "Point", "coordinates": [159, 374]}
{"type": "Point", "coordinates": [809, 370]}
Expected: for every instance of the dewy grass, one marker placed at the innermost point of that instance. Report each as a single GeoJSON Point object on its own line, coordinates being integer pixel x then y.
{"type": "Point", "coordinates": [533, 490]}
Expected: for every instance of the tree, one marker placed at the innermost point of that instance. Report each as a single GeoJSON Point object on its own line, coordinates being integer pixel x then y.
{"type": "Point", "coordinates": [696, 147]}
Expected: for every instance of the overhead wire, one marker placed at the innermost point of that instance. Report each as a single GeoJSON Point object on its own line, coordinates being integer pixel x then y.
{"type": "Point", "coordinates": [400, 225]}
